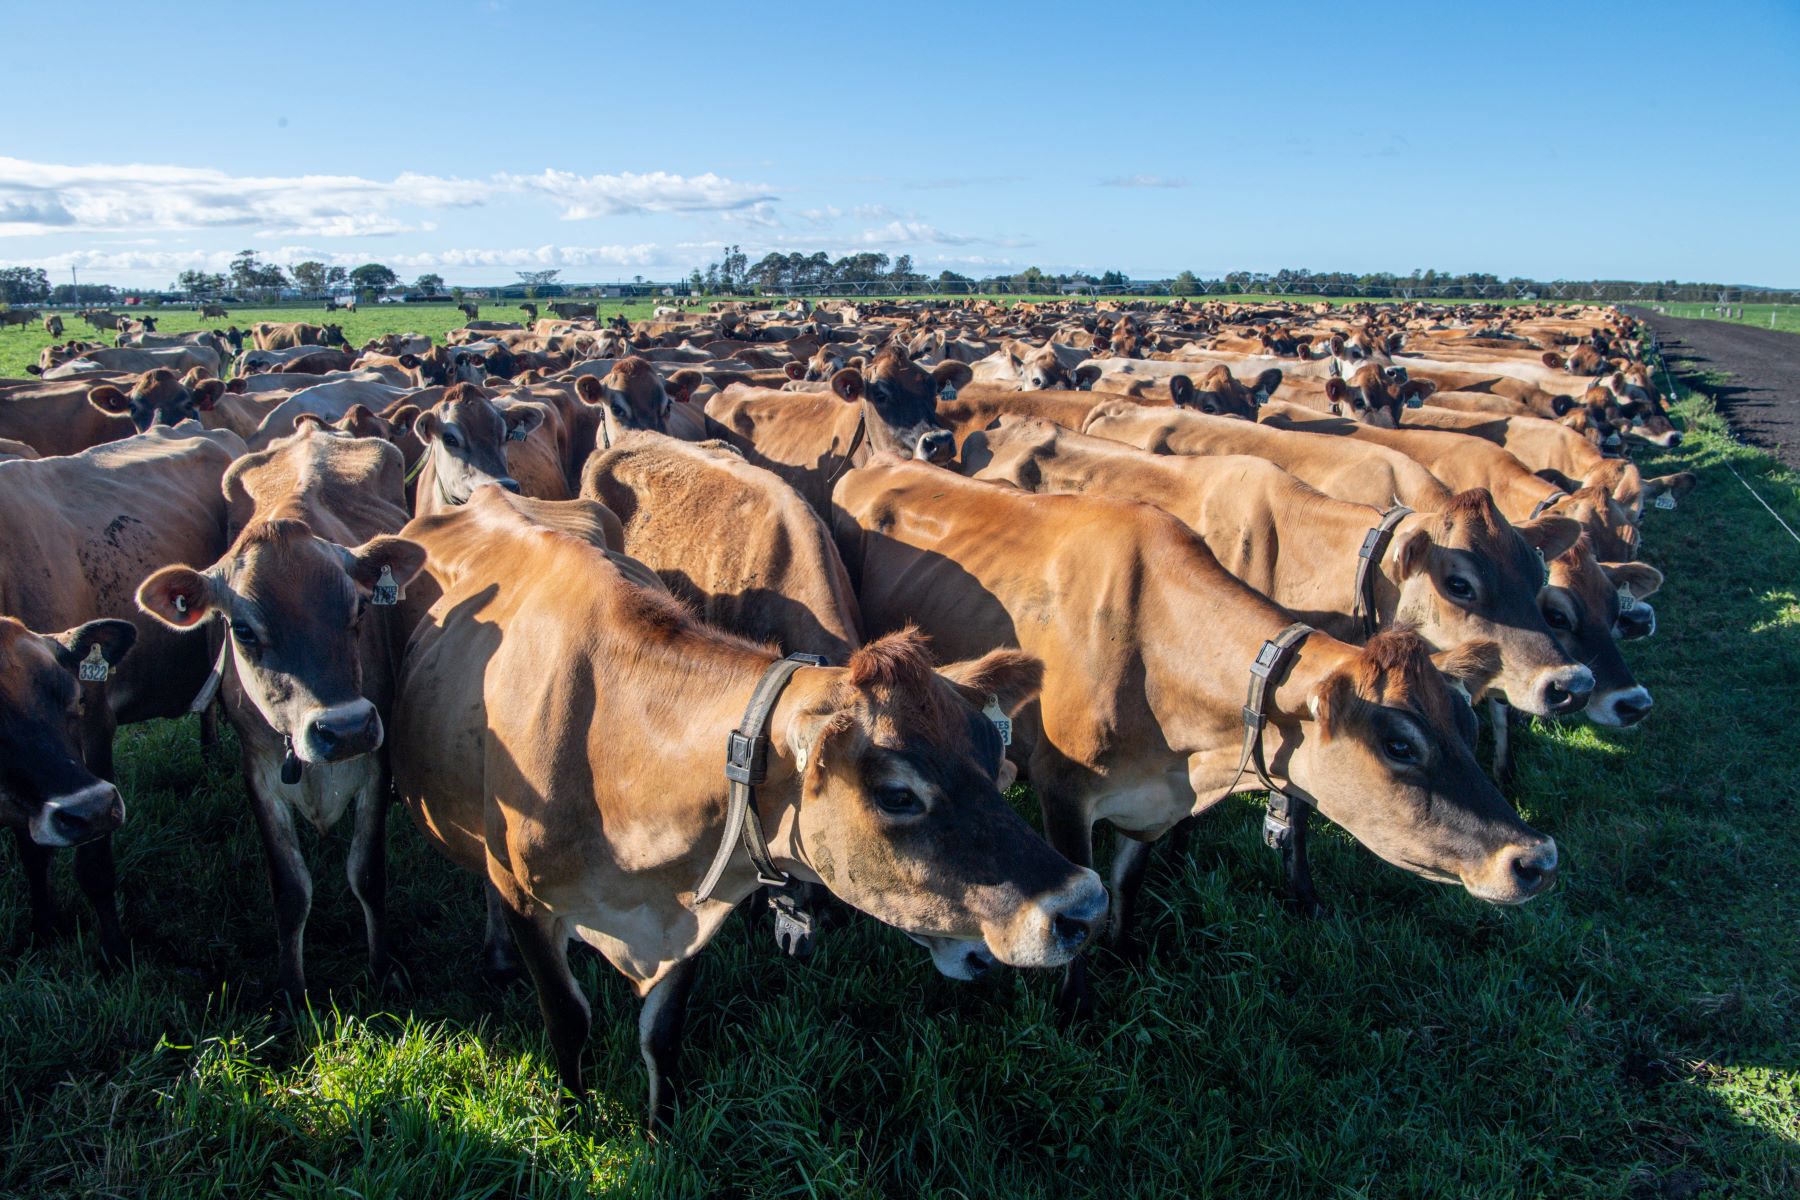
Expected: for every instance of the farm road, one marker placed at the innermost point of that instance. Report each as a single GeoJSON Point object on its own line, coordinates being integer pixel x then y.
{"type": "Point", "coordinates": [1762, 397]}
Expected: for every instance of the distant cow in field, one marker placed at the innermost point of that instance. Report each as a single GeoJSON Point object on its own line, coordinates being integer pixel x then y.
{"type": "Point", "coordinates": [471, 311]}
{"type": "Point", "coordinates": [53, 325]}
{"type": "Point", "coordinates": [573, 311]}
{"type": "Point", "coordinates": [99, 318]}
{"type": "Point", "coordinates": [213, 310]}
{"type": "Point", "coordinates": [18, 316]}
{"type": "Point", "coordinates": [285, 335]}
{"type": "Point", "coordinates": [333, 304]}
{"type": "Point", "coordinates": [530, 310]}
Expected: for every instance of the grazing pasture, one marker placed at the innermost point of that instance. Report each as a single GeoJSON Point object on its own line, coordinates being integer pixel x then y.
{"type": "Point", "coordinates": [1633, 1033]}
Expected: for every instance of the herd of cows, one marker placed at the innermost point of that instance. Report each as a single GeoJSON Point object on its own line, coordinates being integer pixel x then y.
{"type": "Point", "coordinates": [640, 620]}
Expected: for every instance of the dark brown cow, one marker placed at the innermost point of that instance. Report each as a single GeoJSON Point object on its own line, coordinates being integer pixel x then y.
{"type": "Point", "coordinates": [591, 795]}
{"type": "Point", "coordinates": [77, 533]}
{"type": "Point", "coordinates": [1147, 645]}
{"type": "Point", "coordinates": [309, 674]}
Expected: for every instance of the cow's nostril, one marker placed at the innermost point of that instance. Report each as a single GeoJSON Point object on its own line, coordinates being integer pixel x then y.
{"type": "Point", "coordinates": [68, 826]}
{"type": "Point", "coordinates": [1071, 931]}
{"type": "Point", "coordinates": [1527, 875]}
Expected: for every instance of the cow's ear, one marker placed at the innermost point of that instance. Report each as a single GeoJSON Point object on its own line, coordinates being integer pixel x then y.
{"type": "Point", "coordinates": [1551, 536]}
{"type": "Point", "coordinates": [33, 369]}
{"type": "Point", "coordinates": [114, 638]}
{"type": "Point", "coordinates": [109, 399]}
{"type": "Point", "coordinates": [237, 387]}
{"type": "Point", "coordinates": [681, 384]}
{"type": "Point", "coordinates": [1332, 703]}
{"type": "Point", "coordinates": [1560, 404]}
{"type": "Point", "coordinates": [1553, 476]}
{"type": "Point", "coordinates": [1472, 665]}
{"type": "Point", "coordinates": [411, 362]}
{"type": "Point", "coordinates": [428, 426]}
{"type": "Point", "coordinates": [1336, 390]}
{"type": "Point", "coordinates": [590, 389]}
{"type": "Point", "coordinates": [520, 419]}
{"type": "Point", "coordinates": [1181, 391]}
{"type": "Point", "coordinates": [399, 558]}
{"type": "Point", "coordinates": [179, 597]}
{"type": "Point", "coordinates": [1266, 383]}
{"type": "Point", "coordinates": [794, 370]}
{"type": "Point", "coordinates": [404, 417]}
{"type": "Point", "coordinates": [1087, 375]}
{"type": "Point", "coordinates": [310, 420]}
{"type": "Point", "coordinates": [207, 394]}
{"type": "Point", "coordinates": [1410, 553]}
{"type": "Point", "coordinates": [1677, 485]}
{"type": "Point", "coordinates": [1011, 678]}
{"type": "Point", "coordinates": [847, 384]}
{"type": "Point", "coordinates": [1640, 579]}
{"type": "Point", "coordinates": [1554, 360]}
{"type": "Point", "coordinates": [956, 374]}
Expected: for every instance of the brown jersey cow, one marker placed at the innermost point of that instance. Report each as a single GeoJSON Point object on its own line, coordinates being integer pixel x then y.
{"type": "Point", "coordinates": [560, 732]}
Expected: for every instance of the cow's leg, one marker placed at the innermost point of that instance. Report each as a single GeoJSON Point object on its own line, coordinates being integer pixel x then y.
{"type": "Point", "coordinates": [565, 1009]}
{"type": "Point", "coordinates": [290, 885]}
{"type": "Point", "coordinates": [98, 879]}
{"type": "Point", "coordinates": [1500, 717]}
{"type": "Point", "coordinates": [367, 868]}
{"type": "Point", "coordinates": [1295, 866]}
{"type": "Point", "coordinates": [94, 869]}
{"type": "Point", "coordinates": [1181, 838]}
{"type": "Point", "coordinates": [660, 1023]}
{"type": "Point", "coordinates": [1129, 859]}
{"type": "Point", "coordinates": [1068, 831]}
{"type": "Point", "coordinates": [36, 861]}
{"type": "Point", "coordinates": [500, 962]}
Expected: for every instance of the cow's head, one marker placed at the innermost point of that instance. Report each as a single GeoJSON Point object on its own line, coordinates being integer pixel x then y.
{"type": "Point", "coordinates": [294, 606]}
{"type": "Point", "coordinates": [1382, 746]}
{"type": "Point", "coordinates": [45, 788]}
{"type": "Point", "coordinates": [1376, 394]}
{"type": "Point", "coordinates": [900, 814]}
{"type": "Point", "coordinates": [333, 335]}
{"type": "Point", "coordinates": [1039, 369]}
{"type": "Point", "coordinates": [466, 434]}
{"type": "Point", "coordinates": [1641, 406]}
{"type": "Point", "coordinates": [1584, 605]}
{"type": "Point", "coordinates": [1466, 575]}
{"type": "Point", "coordinates": [157, 398]}
{"type": "Point", "coordinates": [900, 404]}
{"type": "Point", "coordinates": [1219, 393]}
{"type": "Point", "coordinates": [633, 396]}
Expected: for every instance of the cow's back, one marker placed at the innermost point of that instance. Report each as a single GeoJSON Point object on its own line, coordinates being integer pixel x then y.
{"type": "Point", "coordinates": [731, 538]}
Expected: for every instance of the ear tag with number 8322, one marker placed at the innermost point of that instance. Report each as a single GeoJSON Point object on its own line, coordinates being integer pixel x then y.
{"type": "Point", "coordinates": [94, 668]}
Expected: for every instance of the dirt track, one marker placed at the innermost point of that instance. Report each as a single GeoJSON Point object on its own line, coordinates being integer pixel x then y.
{"type": "Point", "coordinates": [1762, 397]}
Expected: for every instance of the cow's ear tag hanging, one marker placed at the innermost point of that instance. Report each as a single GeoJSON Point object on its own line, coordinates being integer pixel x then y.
{"type": "Point", "coordinates": [1666, 501]}
{"type": "Point", "coordinates": [387, 592]}
{"type": "Point", "coordinates": [1627, 601]}
{"type": "Point", "coordinates": [1543, 564]}
{"type": "Point", "coordinates": [1002, 722]}
{"type": "Point", "coordinates": [515, 435]}
{"type": "Point", "coordinates": [1415, 401]}
{"type": "Point", "coordinates": [94, 668]}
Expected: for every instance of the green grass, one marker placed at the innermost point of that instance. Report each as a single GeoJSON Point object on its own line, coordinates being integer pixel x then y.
{"type": "Point", "coordinates": [1636, 1033]}
{"type": "Point", "coordinates": [1763, 316]}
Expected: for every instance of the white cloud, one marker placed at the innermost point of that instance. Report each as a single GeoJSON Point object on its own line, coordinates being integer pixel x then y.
{"type": "Point", "coordinates": [912, 233]}
{"type": "Point", "coordinates": [40, 198]}
{"type": "Point", "coordinates": [588, 196]}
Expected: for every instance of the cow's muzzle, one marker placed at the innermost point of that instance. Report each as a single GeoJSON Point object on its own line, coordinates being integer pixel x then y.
{"type": "Point", "coordinates": [340, 732]}
{"type": "Point", "coordinates": [1053, 927]}
{"type": "Point", "coordinates": [79, 816]}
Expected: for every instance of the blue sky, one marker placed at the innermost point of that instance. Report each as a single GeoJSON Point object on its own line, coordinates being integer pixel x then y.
{"type": "Point", "coordinates": [475, 139]}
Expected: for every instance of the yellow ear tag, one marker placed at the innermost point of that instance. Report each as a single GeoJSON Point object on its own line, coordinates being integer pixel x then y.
{"type": "Point", "coordinates": [1002, 722]}
{"type": "Point", "coordinates": [94, 668]}
{"type": "Point", "coordinates": [387, 592]}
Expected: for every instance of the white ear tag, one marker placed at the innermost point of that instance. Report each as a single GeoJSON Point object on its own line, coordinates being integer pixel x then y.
{"type": "Point", "coordinates": [1666, 501]}
{"type": "Point", "coordinates": [387, 592]}
{"type": "Point", "coordinates": [1627, 601]}
{"type": "Point", "coordinates": [800, 756]}
{"type": "Point", "coordinates": [93, 668]}
{"type": "Point", "coordinates": [1002, 722]}
{"type": "Point", "coordinates": [1543, 564]}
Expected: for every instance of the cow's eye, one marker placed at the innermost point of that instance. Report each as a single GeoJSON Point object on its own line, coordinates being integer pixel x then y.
{"type": "Point", "coordinates": [1459, 588]}
{"type": "Point", "coordinates": [1557, 619]}
{"type": "Point", "coordinates": [898, 800]}
{"type": "Point", "coordinates": [245, 635]}
{"type": "Point", "coordinates": [1401, 751]}
{"type": "Point", "coordinates": [452, 441]}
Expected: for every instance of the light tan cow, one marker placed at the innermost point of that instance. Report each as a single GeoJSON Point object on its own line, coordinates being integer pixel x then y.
{"type": "Point", "coordinates": [561, 733]}
{"type": "Point", "coordinates": [1147, 644]}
